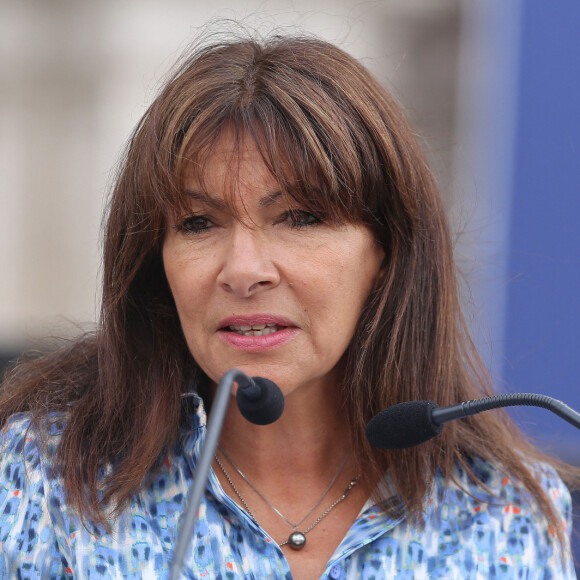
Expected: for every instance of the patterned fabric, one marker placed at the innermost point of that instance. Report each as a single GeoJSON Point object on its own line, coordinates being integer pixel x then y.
{"type": "Point", "coordinates": [468, 534]}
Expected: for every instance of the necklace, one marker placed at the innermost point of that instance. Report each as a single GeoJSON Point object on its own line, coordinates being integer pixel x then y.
{"type": "Point", "coordinates": [294, 525]}
{"type": "Point", "coordinates": [296, 540]}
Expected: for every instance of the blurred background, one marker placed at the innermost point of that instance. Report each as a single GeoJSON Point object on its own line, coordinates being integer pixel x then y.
{"type": "Point", "coordinates": [492, 87]}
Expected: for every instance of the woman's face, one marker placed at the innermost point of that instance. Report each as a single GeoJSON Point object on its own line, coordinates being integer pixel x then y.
{"type": "Point", "coordinates": [276, 291]}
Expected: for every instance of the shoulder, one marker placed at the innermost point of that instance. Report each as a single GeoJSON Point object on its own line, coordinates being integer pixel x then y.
{"type": "Point", "coordinates": [27, 452]}
{"type": "Point", "coordinates": [20, 435]}
{"type": "Point", "coordinates": [494, 485]}
{"type": "Point", "coordinates": [19, 465]}
{"type": "Point", "coordinates": [499, 518]}
{"type": "Point", "coordinates": [27, 448]}
{"type": "Point", "coordinates": [14, 436]}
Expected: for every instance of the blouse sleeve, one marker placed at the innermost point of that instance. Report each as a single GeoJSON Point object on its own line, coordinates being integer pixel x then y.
{"type": "Point", "coordinates": [28, 543]}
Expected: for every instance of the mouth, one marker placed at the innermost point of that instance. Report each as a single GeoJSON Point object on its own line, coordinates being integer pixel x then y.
{"type": "Point", "coordinates": [255, 329]}
{"type": "Point", "coordinates": [257, 332]}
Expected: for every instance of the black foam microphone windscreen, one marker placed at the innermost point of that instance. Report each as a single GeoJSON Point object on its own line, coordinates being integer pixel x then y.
{"type": "Point", "coordinates": [264, 409]}
{"type": "Point", "coordinates": [403, 425]}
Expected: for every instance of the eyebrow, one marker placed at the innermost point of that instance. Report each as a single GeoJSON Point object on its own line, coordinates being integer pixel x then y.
{"type": "Point", "coordinates": [213, 202]}
{"type": "Point", "coordinates": [271, 199]}
{"type": "Point", "coordinates": [218, 203]}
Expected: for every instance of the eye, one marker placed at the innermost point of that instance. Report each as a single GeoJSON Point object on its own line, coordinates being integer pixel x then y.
{"type": "Point", "coordinates": [298, 218]}
{"type": "Point", "coordinates": [195, 224]}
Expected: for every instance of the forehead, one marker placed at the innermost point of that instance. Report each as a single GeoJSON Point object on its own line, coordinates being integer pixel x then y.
{"type": "Point", "coordinates": [230, 167]}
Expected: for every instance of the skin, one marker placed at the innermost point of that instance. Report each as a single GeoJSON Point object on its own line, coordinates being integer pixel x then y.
{"type": "Point", "coordinates": [268, 261]}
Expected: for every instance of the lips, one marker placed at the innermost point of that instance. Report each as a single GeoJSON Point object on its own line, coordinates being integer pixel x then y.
{"type": "Point", "coordinates": [256, 332]}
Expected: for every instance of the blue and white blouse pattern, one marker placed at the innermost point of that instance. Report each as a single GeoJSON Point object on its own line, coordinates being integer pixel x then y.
{"type": "Point", "coordinates": [468, 534]}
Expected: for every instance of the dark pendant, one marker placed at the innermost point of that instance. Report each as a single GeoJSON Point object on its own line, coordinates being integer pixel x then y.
{"type": "Point", "coordinates": [296, 540]}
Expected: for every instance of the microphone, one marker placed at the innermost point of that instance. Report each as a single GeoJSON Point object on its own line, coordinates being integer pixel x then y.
{"type": "Point", "coordinates": [403, 425]}
{"type": "Point", "coordinates": [414, 422]}
{"type": "Point", "coordinates": [261, 402]}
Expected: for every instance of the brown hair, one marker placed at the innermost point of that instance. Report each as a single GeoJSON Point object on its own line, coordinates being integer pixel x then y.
{"type": "Point", "coordinates": [313, 111]}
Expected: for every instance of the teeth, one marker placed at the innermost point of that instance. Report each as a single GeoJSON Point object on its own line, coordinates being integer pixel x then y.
{"type": "Point", "coordinates": [255, 329]}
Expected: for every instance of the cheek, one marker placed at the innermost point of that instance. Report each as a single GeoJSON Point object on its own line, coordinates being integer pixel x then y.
{"type": "Point", "coordinates": [332, 292]}
{"type": "Point", "coordinates": [349, 282]}
{"type": "Point", "coordinates": [188, 281]}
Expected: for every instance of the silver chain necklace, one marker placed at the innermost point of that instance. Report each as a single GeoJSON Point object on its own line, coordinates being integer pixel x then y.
{"type": "Point", "coordinates": [297, 539]}
{"type": "Point", "coordinates": [294, 525]}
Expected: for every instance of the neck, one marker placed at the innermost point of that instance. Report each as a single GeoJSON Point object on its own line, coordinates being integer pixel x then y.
{"type": "Point", "coordinates": [309, 437]}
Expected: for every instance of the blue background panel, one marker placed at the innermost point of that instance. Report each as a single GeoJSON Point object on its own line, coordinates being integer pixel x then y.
{"type": "Point", "coordinates": [542, 332]}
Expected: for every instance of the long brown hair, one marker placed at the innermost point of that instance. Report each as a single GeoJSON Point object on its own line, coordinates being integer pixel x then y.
{"type": "Point", "coordinates": [317, 115]}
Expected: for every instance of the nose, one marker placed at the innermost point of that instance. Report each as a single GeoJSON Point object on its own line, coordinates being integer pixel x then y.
{"type": "Point", "coordinates": [247, 268]}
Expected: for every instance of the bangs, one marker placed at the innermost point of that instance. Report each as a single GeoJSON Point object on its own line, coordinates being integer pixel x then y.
{"type": "Point", "coordinates": [304, 177]}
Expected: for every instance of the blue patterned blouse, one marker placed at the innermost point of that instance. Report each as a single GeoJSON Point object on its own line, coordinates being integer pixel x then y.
{"type": "Point", "coordinates": [468, 535]}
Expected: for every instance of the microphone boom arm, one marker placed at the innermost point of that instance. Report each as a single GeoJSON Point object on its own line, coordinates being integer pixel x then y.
{"type": "Point", "coordinates": [214, 428]}
{"type": "Point", "coordinates": [442, 415]}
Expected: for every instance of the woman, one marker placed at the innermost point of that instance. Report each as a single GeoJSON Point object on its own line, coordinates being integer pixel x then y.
{"type": "Point", "coordinates": [275, 214]}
